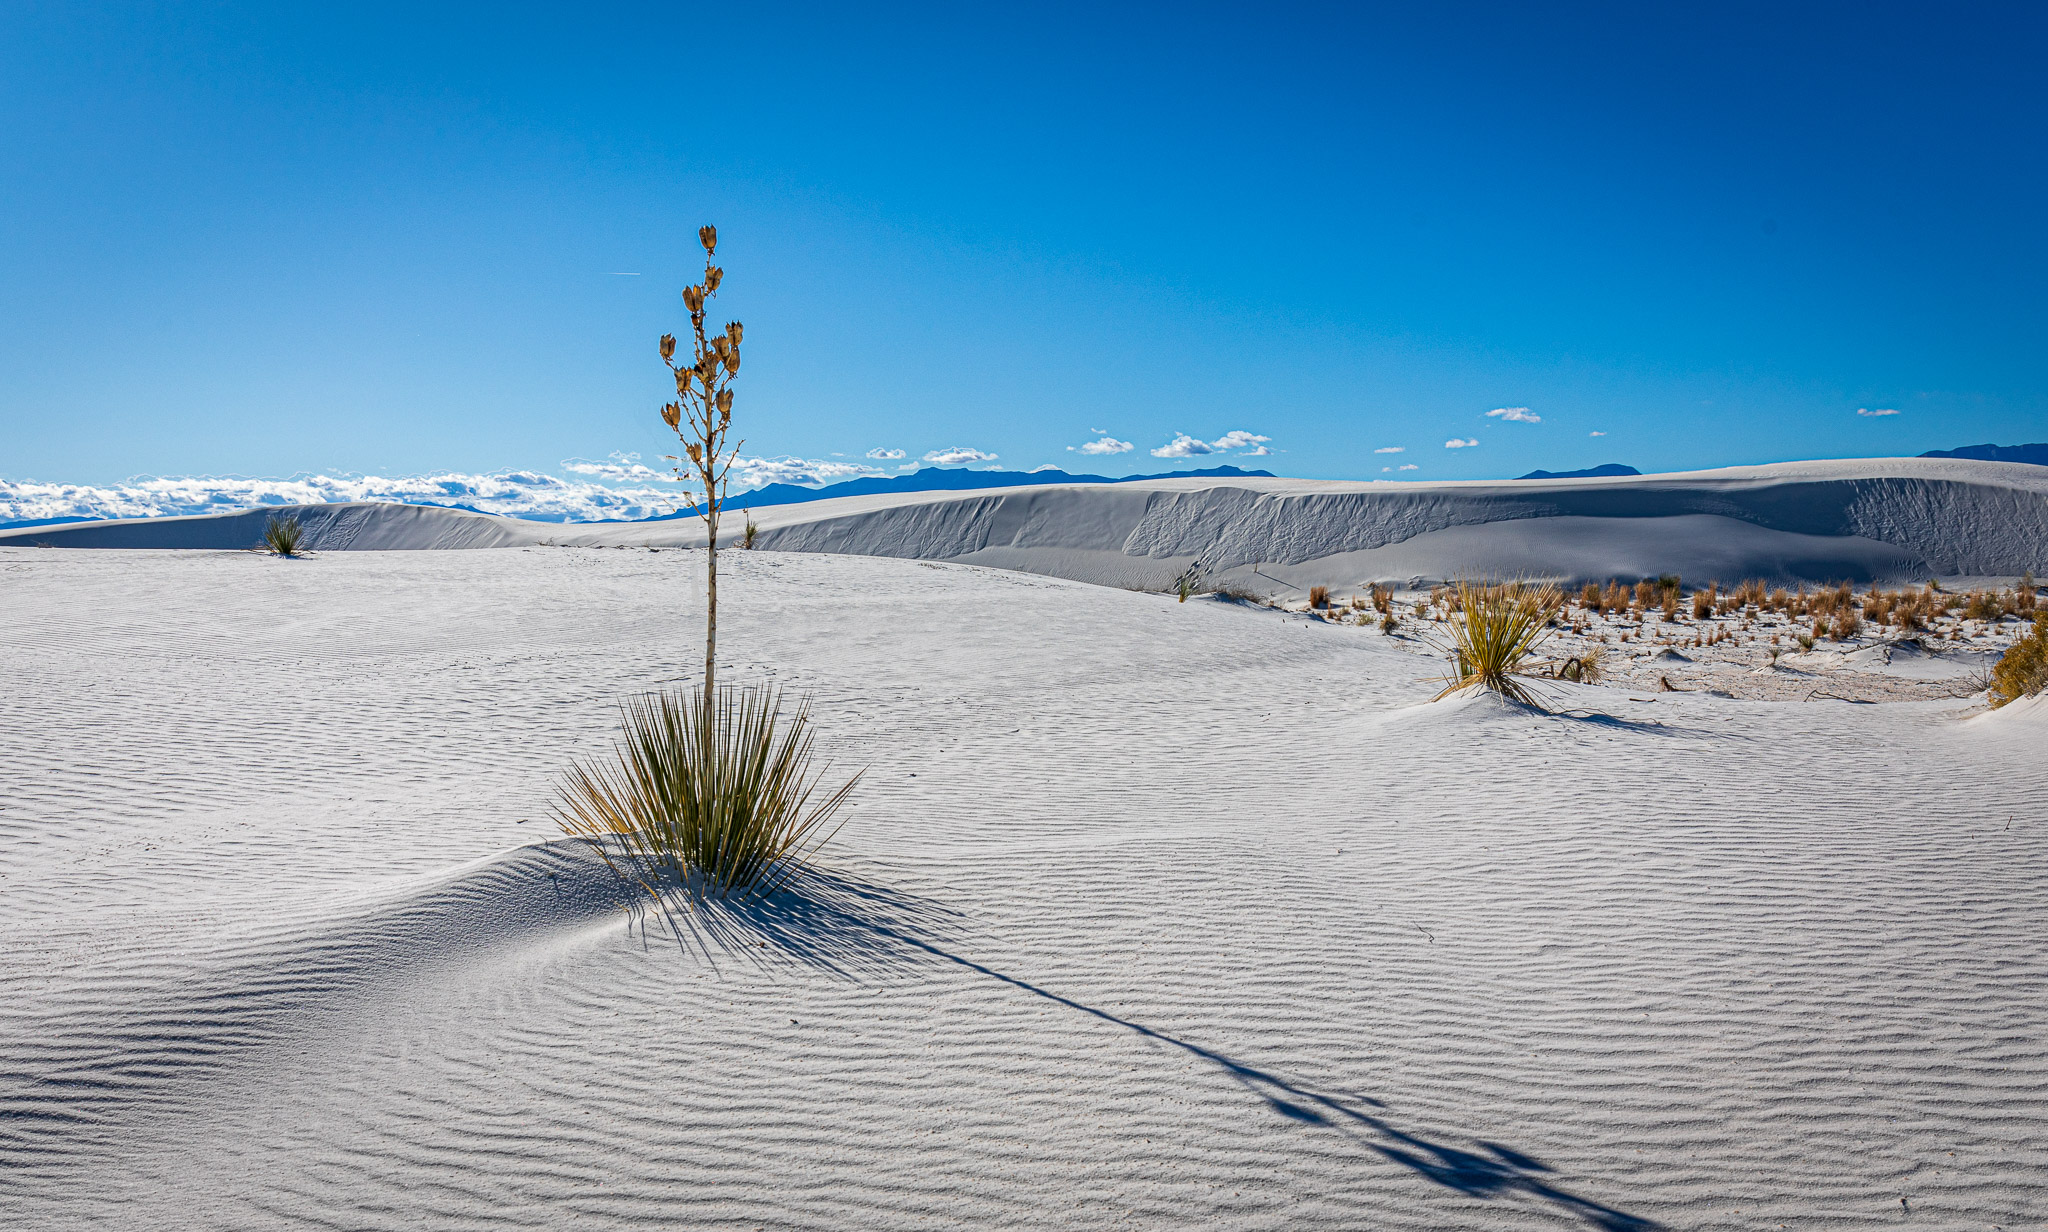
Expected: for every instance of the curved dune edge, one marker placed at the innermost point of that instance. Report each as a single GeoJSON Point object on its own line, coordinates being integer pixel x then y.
{"type": "Point", "coordinates": [1882, 520]}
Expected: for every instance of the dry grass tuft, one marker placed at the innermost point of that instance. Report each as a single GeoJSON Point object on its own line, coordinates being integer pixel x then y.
{"type": "Point", "coordinates": [2023, 671]}
{"type": "Point", "coordinates": [1496, 630]}
{"type": "Point", "coordinates": [1319, 596]}
{"type": "Point", "coordinates": [719, 794]}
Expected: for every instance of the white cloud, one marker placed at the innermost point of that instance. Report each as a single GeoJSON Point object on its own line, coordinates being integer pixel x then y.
{"type": "Point", "coordinates": [1184, 446]}
{"type": "Point", "coordinates": [623, 468]}
{"type": "Point", "coordinates": [1596, 434]}
{"type": "Point", "coordinates": [1875, 414]}
{"type": "Point", "coordinates": [1260, 452]}
{"type": "Point", "coordinates": [1391, 449]}
{"type": "Point", "coordinates": [885, 455]}
{"type": "Point", "coordinates": [1514, 414]}
{"type": "Point", "coordinates": [1410, 466]}
{"type": "Point", "coordinates": [808, 472]}
{"type": "Point", "coordinates": [1107, 445]}
{"type": "Point", "coordinates": [1455, 443]}
{"type": "Point", "coordinates": [632, 491]}
{"type": "Point", "coordinates": [957, 455]}
{"type": "Point", "coordinates": [1045, 467]}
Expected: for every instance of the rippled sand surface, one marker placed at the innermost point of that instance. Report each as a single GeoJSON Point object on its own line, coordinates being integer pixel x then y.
{"type": "Point", "coordinates": [1146, 915]}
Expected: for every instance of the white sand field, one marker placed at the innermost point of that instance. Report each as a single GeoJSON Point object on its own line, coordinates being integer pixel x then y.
{"type": "Point", "coordinates": [1147, 914]}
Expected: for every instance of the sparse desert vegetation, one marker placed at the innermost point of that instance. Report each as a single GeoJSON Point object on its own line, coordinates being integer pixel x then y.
{"type": "Point", "coordinates": [284, 536]}
{"type": "Point", "coordinates": [1746, 639]}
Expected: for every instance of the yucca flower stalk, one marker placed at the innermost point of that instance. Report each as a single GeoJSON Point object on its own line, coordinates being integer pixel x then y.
{"type": "Point", "coordinates": [701, 417]}
{"type": "Point", "coordinates": [1494, 628]}
{"type": "Point", "coordinates": [712, 784]}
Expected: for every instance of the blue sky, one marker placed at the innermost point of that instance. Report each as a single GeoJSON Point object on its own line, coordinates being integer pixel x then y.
{"type": "Point", "coordinates": [263, 240]}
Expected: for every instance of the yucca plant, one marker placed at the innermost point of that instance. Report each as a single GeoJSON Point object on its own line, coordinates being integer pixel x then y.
{"type": "Point", "coordinates": [282, 536]}
{"type": "Point", "coordinates": [1495, 630]}
{"type": "Point", "coordinates": [719, 795]}
{"type": "Point", "coordinates": [709, 783]}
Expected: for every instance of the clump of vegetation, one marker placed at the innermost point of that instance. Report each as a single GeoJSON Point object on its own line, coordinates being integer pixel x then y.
{"type": "Point", "coordinates": [710, 783]}
{"type": "Point", "coordinates": [1236, 592]}
{"type": "Point", "coordinates": [718, 794]}
{"type": "Point", "coordinates": [2023, 670]}
{"type": "Point", "coordinates": [1496, 630]}
{"type": "Point", "coordinates": [284, 536]}
{"type": "Point", "coordinates": [1319, 596]}
{"type": "Point", "coordinates": [752, 532]}
{"type": "Point", "coordinates": [1585, 667]}
{"type": "Point", "coordinates": [1983, 605]}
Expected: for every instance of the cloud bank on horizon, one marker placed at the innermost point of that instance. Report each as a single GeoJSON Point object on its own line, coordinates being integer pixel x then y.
{"type": "Point", "coordinates": [622, 488]}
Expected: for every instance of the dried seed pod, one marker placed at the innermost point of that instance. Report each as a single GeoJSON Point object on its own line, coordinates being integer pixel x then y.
{"type": "Point", "coordinates": [712, 277]}
{"type": "Point", "coordinates": [732, 331]}
{"type": "Point", "coordinates": [725, 403]}
{"type": "Point", "coordinates": [707, 235]}
{"type": "Point", "coordinates": [668, 347]}
{"type": "Point", "coordinates": [671, 414]}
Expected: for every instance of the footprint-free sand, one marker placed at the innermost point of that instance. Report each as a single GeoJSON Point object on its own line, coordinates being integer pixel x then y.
{"type": "Point", "coordinates": [1146, 914]}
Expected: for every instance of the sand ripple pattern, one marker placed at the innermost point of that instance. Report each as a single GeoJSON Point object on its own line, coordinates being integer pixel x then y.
{"type": "Point", "coordinates": [1149, 915]}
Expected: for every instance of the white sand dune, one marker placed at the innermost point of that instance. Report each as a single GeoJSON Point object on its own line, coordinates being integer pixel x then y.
{"type": "Point", "coordinates": [1874, 519]}
{"type": "Point", "coordinates": [1147, 915]}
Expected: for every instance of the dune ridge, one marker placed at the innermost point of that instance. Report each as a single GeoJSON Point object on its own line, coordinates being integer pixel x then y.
{"type": "Point", "coordinates": [1873, 520]}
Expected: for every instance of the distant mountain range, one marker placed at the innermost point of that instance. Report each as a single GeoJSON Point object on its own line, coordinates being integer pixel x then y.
{"type": "Point", "coordinates": [940, 479]}
{"type": "Point", "coordinates": [1592, 472]}
{"type": "Point", "coordinates": [2036, 454]}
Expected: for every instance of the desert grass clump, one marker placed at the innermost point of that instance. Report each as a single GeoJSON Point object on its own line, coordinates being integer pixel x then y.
{"type": "Point", "coordinates": [2023, 670]}
{"type": "Point", "coordinates": [1585, 667]}
{"type": "Point", "coordinates": [720, 795]}
{"type": "Point", "coordinates": [284, 536]}
{"type": "Point", "coordinates": [1319, 596]}
{"type": "Point", "coordinates": [753, 532]}
{"type": "Point", "coordinates": [1497, 629]}
{"type": "Point", "coordinates": [1983, 605]}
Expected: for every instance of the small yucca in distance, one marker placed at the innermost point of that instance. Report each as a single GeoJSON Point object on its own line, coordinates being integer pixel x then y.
{"type": "Point", "coordinates": [283, 536]}
{"type": "Point", "coordinates": [1495, 628]}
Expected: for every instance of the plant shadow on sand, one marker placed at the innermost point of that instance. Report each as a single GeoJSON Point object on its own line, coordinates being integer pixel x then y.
{"type": "Point", "coordinates": [833, 922]}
